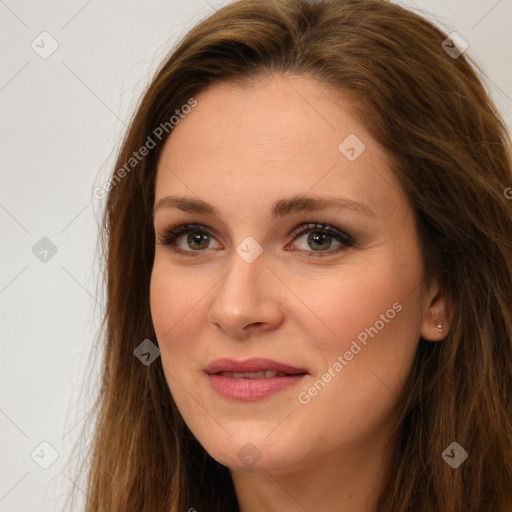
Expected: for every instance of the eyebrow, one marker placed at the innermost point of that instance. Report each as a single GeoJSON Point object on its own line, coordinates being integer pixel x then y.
{"type": "Point", "coordinates": [280, 208]}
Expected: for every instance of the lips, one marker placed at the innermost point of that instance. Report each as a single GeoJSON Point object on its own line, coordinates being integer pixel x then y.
{"type": "Point", "coordinates": [264, 374]}
{"type": "Point", "coordinates": [251, 379]}
{"type": "Point", "coordinates": [254, 365]}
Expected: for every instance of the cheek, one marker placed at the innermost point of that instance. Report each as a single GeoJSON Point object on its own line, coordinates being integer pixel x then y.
{"type": "Point", "coordinates": [344, 306]}
{"type": "Point", "coordinates": [173, 299]}
{"type": "Point", "coordinates": [174, 309]}
{"type": "Point", "coordinates": [368, 327]}
{"type": "Point", "coordinates": [163, 304]}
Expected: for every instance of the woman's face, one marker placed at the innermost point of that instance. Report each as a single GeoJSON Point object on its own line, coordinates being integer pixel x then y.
{"type": "Point", "coordinates": [337, 310]}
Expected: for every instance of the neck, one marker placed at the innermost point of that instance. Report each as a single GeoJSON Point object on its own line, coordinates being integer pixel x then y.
{"type": "Point", "coordinates": [342, 482]}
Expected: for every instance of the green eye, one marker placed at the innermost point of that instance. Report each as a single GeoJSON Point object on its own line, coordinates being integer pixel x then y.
{"type": "Point", "coordinates": [319, 239]}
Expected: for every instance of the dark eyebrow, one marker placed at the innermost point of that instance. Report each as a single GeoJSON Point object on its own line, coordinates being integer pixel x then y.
{"type": "Point", "coordinates": [280, 208]}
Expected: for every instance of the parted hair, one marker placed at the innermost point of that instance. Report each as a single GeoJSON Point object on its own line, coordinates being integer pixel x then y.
{"type": "Point", "coordinates": [451, 154]}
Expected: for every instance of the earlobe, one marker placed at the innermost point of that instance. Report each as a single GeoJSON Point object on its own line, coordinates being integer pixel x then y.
{"type": "Point", "coordinates": [437, 331]}
{"type": "Point", "coordinates": [437, 316]}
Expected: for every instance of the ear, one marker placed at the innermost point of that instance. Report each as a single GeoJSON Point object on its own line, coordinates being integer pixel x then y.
{"type": "Point", "coordinates": [437, 315]}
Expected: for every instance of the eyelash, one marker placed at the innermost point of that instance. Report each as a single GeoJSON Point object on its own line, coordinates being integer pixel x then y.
{"type": "Point", "coordinates": [169, 236]}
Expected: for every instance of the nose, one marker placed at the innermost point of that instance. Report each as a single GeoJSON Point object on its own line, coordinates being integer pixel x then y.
{"type": "Point", "coordinates": [248, 299]}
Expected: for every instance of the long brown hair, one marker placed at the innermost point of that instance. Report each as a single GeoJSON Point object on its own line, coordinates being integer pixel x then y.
{"type": "Point", "coordinates": [452, 156]}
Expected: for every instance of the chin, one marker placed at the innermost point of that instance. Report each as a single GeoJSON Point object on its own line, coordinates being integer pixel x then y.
{"type": "Point", "coordinates": [252, 452]}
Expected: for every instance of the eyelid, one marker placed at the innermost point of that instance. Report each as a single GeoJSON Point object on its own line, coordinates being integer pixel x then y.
{"type": "Point", "coordinates": [171, 233]}
{"type": "Point", "coordinates": [168, 236]}
{"type": "Point", "coordinates": [322, 227]}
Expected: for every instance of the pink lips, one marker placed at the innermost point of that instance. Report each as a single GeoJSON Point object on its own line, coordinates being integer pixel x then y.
{"type": "Point", "coordinates": [267, 377]}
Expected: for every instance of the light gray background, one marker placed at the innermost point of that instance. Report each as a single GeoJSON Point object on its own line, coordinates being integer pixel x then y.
{"type": "Point", "coordinates": [62, 119]}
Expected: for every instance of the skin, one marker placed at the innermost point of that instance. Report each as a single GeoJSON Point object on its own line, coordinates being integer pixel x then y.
{"type": "Point", "coordinates": [235, 152]}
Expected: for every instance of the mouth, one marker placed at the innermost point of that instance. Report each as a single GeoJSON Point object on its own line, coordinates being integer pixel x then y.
{"type": "Point", "coordinates": [264, 374]}
{"type": "Point", "coordinates": [252, 379]}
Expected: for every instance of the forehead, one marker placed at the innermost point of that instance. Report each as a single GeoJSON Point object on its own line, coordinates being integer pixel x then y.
{"type": "Point", "coordinates": [278, 135]}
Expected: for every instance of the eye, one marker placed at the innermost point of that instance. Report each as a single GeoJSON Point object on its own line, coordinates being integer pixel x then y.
{"type": "Point", "coordinates": [190, 239]}
{"type": "Point", "coordinates": [197, 238]}
{"type": "Point", "coordinates": [320, 237]}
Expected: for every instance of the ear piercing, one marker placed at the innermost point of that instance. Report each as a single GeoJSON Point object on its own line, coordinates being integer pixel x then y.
{"type": "Point", "coordinates": [439, 327]}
